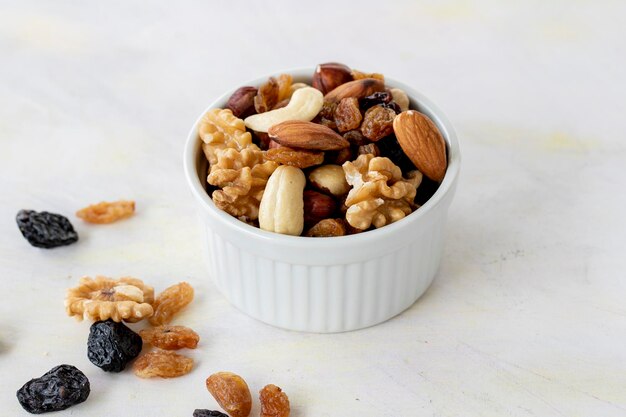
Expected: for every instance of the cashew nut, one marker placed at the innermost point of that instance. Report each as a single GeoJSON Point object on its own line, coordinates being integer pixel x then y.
{"type": "Point", "coordinates": [305, 104]}
{"type": "Point", "coordinates": [282, 205]}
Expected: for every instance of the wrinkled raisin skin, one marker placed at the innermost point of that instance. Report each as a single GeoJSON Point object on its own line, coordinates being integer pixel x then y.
{"type": "Point", "coordinates": [231, 392]}
{"type": "Point", "coordinates": [57, 389]}
{"type": "Point", "coordinates": [46, 230]}
{"type": "Point", "coordinates": [267, 96]}
{"type": "Point", "coordinates": [208, 413]}
{"type": "Point", "coordinates": [274, 402]}
{"type": "Point", "coordinates": [107, 212]}
{"type": "Point", "coordinates": [380, 97]}
{"type": "Point", "coordinates": [170, 302]}
{"type": "Point", "coordinates": [163, 364]}
{"type": "Point", "coordinates": [377, 123]}
{"type": "Point", "coordinates": [356, 138]}
{"type": "Point", "coordinates": [393, 106]}
{"type": "Point", "coordinates": [390, 148]}
{"type": "Point", "coordinates": [298, 158]}
{"type": "Point", "coordinates": [170, 337]}
{"type": "Point", "coordinates": [348, 115]}
{"type": "Point", "coordinates": [112, 345]}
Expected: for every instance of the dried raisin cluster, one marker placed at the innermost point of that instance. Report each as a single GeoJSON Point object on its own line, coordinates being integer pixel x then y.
{"type": "Point", "coordinates": [298, 125]}
{"type": "Point", "coordinates": [111, 345]}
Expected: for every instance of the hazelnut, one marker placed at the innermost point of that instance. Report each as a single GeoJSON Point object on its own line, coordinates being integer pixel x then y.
{"type": "Point", "coordinates": [331, 75]}
{"type": "Point", "coordinates": [317, 206]}
{"type": "Point", "coordinates": [330, 179]}
{"type": "Point", "coordinates": [241, 103]}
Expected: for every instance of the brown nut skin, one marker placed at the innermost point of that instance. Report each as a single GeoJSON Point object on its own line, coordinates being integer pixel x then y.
{"type": "Point", "coordinates": [330, 75]}
{"type": "Point", "coordinates": [231, 392]}
{"type": "Point", "coordinates": [317, 206]}
{"type": "Point", "coordinates": [359, 89]}
{"type": "Point", "coordinates": [307, 135]}
{"type": "Point", "coordinates": [422, 142]}
{"type": "Point", "coordinates": [241, 103]}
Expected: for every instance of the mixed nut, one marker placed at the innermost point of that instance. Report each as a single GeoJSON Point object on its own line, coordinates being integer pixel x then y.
{"type": "Point", "coordinates": [342, 156]}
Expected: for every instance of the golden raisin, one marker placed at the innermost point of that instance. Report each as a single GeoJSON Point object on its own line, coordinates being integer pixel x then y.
{"type": "Point", "coordinates": [326, 116]}
{"type": "Point", "coordinates": [171, 301]}
{"type": "Point", "coordinates": [106, 212]}
{"type": "Point", "coordinates": [231, 392]}
{"type": "Point", "coordinates": [358, 75]}
{"type": "Point", "coordinates": [274, 402]}
{"type": "Point", "coordinates": [170, 337]}
{"type": "Point", "coordinates": [355, 137]}
{"type": "Point", "coordinates": [162, 363]}
{"type": "Point", "coordinates": [281, 104]}
{"type": "Point", "coordinates": [328, 110]}
{"type": "Point", "coordinates": [377, 123]}
{"type": "Point", "coordinates": [295, 157]}
{"type": "Point", "coordinates": [327, 228]}
{"type": "Point", "coordinates": [347, 114]}
{"type": "Point", "coordinates": [370, 148]}
{"type": "Point", "coordinates": [284, 87]}
{"type": "Point", "coordinates": [267, 96]}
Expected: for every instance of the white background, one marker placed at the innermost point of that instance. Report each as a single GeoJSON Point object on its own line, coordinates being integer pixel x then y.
{"type": "Point", "coordinates": [527, 316]}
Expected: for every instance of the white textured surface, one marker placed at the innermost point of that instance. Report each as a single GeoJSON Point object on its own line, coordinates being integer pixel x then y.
{"type": "Point", "coordinates": [526, 316]}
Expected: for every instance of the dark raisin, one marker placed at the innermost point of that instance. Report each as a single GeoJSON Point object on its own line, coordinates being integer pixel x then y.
{"type": "Point", "coordinates": [393, 106]}
{"type": "Point", "coordinates": [426, 190]}
{"type": "Point", "coordinates": [46, 230]}
{"type": "Point", "coordinates": [390, 148]}
{"type": "Point", "coordinates": [261, 139]}
{"type": "Point", "coordinates": [58, 389]}
{"type": "Point", "coordinates": [208, 413]}
{"type": "Point", "coordinates": [356, 138]}
{"type": "Point", "coordinates": [380, 97]}
{"type": "Point", "coordinates": [112, 345]}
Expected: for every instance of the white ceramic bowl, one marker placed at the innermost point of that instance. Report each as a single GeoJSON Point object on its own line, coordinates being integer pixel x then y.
{"type": "Point", "coordinates": [330, 284]}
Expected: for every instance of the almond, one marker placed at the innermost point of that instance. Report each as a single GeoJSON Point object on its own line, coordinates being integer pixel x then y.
{"type": "Point", "coordinates": [307, 135]}
{"type": "Point", "coordinates": [359, 89]}
{"type": "Point", "coordinates": [422, 142]}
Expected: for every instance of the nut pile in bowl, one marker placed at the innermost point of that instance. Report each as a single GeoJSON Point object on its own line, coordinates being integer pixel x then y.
{"type": "Point", "coordinates": [343, 155]}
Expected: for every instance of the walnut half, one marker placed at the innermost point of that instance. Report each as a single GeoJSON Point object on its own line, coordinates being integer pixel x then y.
{"type": "Point", "coordinates": [103, 298]}
{"type": "Point", "coordinates": [379, 194]}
